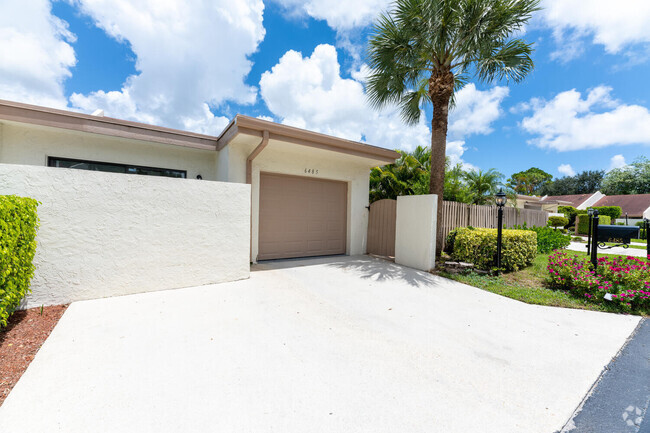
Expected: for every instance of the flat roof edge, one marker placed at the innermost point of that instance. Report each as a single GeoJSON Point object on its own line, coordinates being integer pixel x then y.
{"type": "Point", "coordinates": [70, 120]}
{"type": "Point", "coordinates": [250, 125]}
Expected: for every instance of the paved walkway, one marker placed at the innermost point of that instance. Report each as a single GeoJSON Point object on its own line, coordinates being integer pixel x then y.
{"type": "Point", "coordinates": [636, 252]}
{"type": "Point", "coordinates": [343, 344]}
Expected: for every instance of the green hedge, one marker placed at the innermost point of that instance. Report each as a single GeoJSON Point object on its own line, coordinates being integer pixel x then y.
{"type": "Point", "coordinates": [611, 211]}
{"type": "Point", "coordinates": [582, 223]}
{"type": "Point", "coordinates": [18, 224]}
{"type": "Point", "coordinates": [479, 246]}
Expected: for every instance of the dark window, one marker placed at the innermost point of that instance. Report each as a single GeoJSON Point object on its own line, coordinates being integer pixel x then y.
{"type": "Point", "coordinates": [114, 168]}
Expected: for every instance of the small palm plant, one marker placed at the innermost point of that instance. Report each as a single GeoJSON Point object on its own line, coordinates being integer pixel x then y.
{"type": "Point", "coordinates": [482, 185]}
{"type": "Point", "coordinates": [423, 51]}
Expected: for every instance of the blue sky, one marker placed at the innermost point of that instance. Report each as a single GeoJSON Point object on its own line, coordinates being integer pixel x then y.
{"type": "Point", "coordinates": [194, 65]}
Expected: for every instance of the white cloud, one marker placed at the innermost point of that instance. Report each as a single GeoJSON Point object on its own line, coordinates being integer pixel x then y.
{"type": "Point", "coordinates": [571, 122]}
{"type": "Point", "coordinates": [190, 56]}
{"type": "Point", "coordinates": [309, 92]}
{"type": "Point", "coordinates": [614, 25]}
{"type": "Point", "coordinates": [617, 161]}
{"type": "Point", "coordinates": [566, 170]}
{"type": "Point", "coordinates": [36, 53]}
{"type": "Point", "coordinates": [340, 15]}
{"type": "Point", "coordinates": [476, 110]}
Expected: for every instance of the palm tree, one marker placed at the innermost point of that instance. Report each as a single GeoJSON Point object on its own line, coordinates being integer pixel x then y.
{"type": "Point", "coordinates": [482, 185]}
{"type": "Point", "coordinates": [423, 51]}
{"type": "Point", "coordinates": [404, 177]}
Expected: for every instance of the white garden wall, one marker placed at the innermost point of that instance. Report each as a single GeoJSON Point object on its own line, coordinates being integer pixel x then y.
{"type": "Point", "coordinates": [106, 234]}
{"type": "Point", "coordinates": [415, 231]}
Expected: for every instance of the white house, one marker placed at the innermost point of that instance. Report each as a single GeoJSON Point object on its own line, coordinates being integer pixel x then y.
{"type": "Point", "coordinates": [309, 190]}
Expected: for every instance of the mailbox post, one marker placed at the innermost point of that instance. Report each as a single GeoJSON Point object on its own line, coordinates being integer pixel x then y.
{"type": "Point", "coordinates": [647, 238]}
{"type": "Point", "coordinates": [594, 240]}
{"type": "Point", "coordinates": [590, 212]}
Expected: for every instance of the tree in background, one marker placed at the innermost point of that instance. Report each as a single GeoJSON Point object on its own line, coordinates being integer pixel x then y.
{"type": "Point", "coordinates": [407, 176]}
{"type": "Point", "coordinates": [482, 185]}
{"type": "Point", "coordinates": [423, 51]}
{"type": "Point", "coordinates": [530, 181]}
{"type": "Point", "coordinates": [631, 179]}
{"type": "Point", "coordinates": [455, 186]}
{"type": "Point", "coordinates": [587, 182]}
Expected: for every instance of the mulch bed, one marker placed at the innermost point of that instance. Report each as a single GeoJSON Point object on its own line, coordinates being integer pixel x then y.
{"type": "Point", "coordinates": [25, 333]}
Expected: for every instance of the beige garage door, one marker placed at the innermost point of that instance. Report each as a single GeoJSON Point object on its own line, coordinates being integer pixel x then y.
{"type": "Point", "coordinates": [301, 217]}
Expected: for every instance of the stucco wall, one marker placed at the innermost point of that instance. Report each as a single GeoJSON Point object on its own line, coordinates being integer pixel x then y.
{"type": "Point", "coordinates": [415, 231]}
{"type": "Point", "coordinates": [31, 145]}
{"type": "Point", "coordinates": [106, 234]}
{"type": "Point", "coordinates": [286, 158]}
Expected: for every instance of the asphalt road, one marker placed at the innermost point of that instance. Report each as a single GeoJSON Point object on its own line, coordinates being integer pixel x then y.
{"type": "Point", "coordinates": [619, 401]}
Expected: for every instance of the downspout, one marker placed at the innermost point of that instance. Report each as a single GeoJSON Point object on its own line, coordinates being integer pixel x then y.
{"type": "Point", "coordinates": [249, 161]}
{"type": "Point", "coordinates": [249, 180]}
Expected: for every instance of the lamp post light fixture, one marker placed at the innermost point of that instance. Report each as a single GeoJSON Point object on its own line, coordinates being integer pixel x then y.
{"type": "Point", "coordinates": [500, 200]}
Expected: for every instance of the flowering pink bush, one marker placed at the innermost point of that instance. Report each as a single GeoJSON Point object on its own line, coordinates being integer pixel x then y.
{"type": "Point", "coordinates": [625, 279]}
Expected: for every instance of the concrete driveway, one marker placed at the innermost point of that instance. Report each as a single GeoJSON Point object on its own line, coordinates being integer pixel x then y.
{"type": "Point", "coordinates": [344, 344]}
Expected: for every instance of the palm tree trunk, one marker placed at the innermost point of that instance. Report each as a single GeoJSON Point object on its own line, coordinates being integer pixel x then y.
{"type": "Point", "coordinates": [441, 87]}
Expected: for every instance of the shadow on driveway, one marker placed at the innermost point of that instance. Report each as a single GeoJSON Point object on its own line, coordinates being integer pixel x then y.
{"type": "Point", "coordinates": [365, 267]}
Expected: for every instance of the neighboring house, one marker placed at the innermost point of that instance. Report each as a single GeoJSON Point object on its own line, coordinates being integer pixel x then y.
{"type": "Point", "coordinates": [578, 201]}
{"type": "Point", "coordinates": [309, 190]}
{"type": "Point", "coordinates": [634, 206]}
{"type": "Point", "coordinates": [536, 203]}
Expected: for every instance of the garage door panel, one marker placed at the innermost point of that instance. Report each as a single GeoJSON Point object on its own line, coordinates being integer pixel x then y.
{"type": "Point", "coordinates": [301, 217]}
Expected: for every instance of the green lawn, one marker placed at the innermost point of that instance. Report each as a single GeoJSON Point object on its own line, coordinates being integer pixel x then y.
{"type": "Point", "coordinates": [528, 286]}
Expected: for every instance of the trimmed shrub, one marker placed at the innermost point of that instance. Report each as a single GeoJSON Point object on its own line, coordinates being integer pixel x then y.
{"type": "Point", "coordinates": [611, 211]}
{"type": "Point", "coordinates": [557, 221]}
{"type": "Point", "coordinates": [582, 223]}
{"type": "Point", "coordinates": [18, 224]}
{"type": "Point", "coordinates": [479, 246]}
{"type": "Point", "coordinates": [548, 239]}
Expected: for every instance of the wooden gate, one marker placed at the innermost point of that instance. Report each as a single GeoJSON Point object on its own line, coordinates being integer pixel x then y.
{"type": "Point", "coordinates": [381, 227]}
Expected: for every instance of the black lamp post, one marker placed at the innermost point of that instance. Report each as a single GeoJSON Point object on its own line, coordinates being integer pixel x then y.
{"type": "Point", "coordinates": [500, 201]}
{"type": "Point", "coordinates": [590, 212]}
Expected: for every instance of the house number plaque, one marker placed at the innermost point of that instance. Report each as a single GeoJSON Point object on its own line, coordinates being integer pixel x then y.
{"type": "Point", "coordinates": [311, 171]}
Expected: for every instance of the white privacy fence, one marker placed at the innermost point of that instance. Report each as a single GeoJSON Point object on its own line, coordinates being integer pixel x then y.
{"type": "Point", "coordinates": [104, 234]}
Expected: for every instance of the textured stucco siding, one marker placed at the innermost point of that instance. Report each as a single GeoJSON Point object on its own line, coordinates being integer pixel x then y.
{"type": "Point", "coordinates": [415, 231]}
{"type": "Point", "coordinates": [106, 234]}
{"type": "Point", "coordinates": [31, 145]}
{"type": "Point", "coordinates": [289, 159]}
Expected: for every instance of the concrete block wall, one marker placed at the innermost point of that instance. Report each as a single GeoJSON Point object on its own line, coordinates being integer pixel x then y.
{"type": "Point", "coordinates": [105, 234]}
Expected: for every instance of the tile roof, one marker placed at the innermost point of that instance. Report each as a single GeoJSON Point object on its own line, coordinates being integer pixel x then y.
{"type": "Point", "coordinates": [633, 204]}
{"type": "Point", "coordinates": [575, 200]}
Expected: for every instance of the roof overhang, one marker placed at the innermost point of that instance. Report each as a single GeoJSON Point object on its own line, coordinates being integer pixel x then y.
{"type": "Point", "coordinates": [255, 127]}
{"type": "Point", "coordinates": [51, 117]}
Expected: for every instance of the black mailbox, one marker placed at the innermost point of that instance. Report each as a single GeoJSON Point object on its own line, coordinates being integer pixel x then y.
{"type": "Point", "coordinates": [617, 234]}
